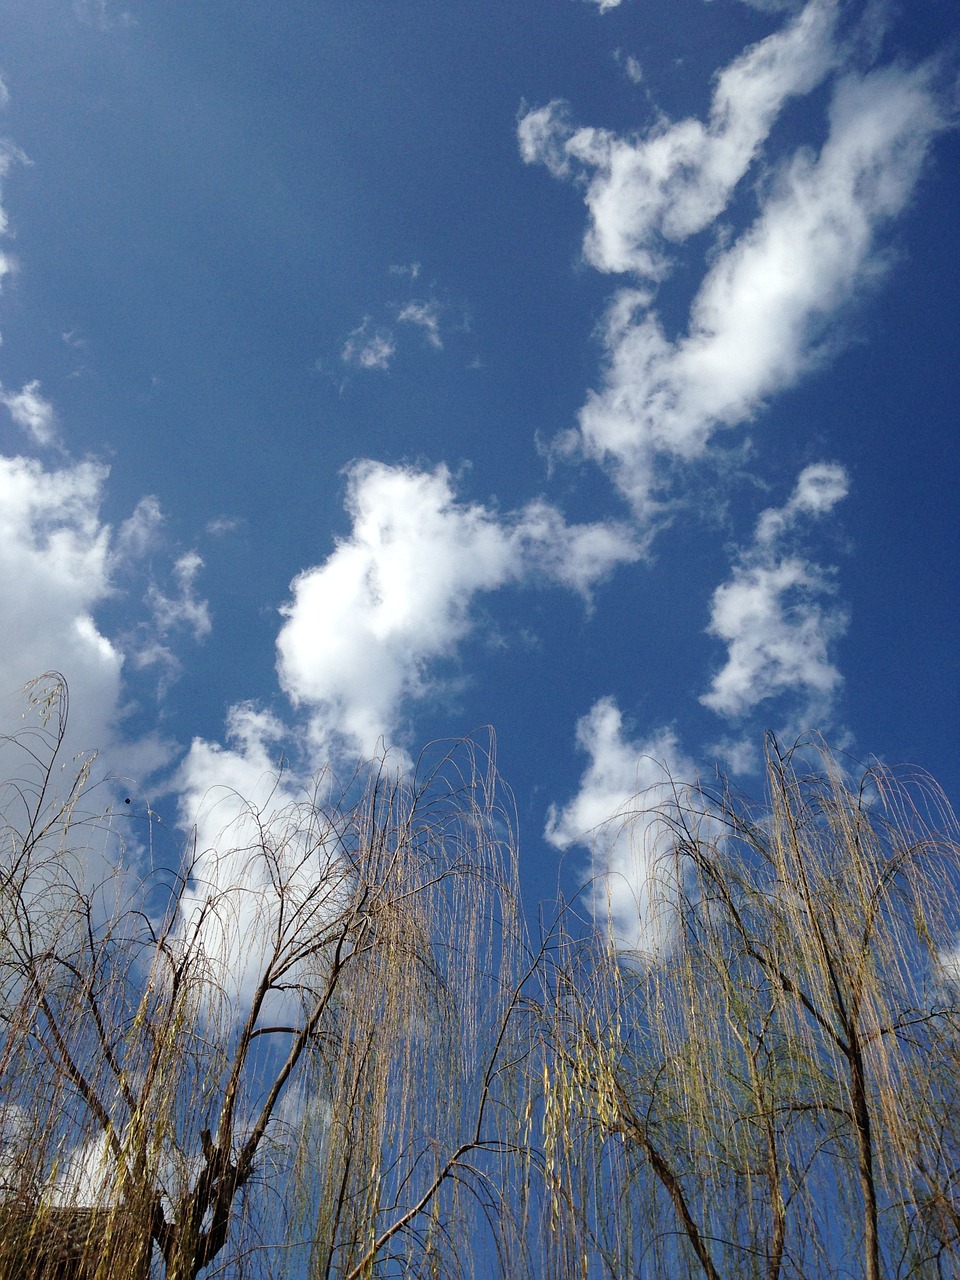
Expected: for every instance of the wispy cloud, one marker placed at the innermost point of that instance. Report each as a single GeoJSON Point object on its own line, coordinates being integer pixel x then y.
{"type": "Point", "coordinates": [369, 346]}
{"type": "Point", "coordinates": [220, 526]}
{"type": "Point", "coordinates": [31, 411]}
{"type": "Point", "coordinates": [376, 342]}
{"type": "Point", "coordinates": [172, 613]}
{"type": "Point", "coordinates": [185, 609]}
{"type": "Point", "coordinates": [777, 615]}
{"type": "Point", "coordinates": [426, 316]}
{"type": "Point", "coordinates": [140, 531]}
{"type": "Point", "coordinates": [103, 14]}
{"type": "Point", "coordinates": [9, 156]}
{"type": "Point", "coordinates": [632, 68]}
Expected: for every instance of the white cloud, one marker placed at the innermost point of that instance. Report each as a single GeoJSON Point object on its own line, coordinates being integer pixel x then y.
{"type": "Point", "coordinates": [367, 347]}
{"type": "Point", "coordinates": [32, 412]}
{"type": "Point", "coordinates": [85, 1174]}
{"type": "Point", "coordinates": [623, 815]}
{"type": "Point", "coordinates": [234, 798]}
{"type": "Point", "coordinates": [677, 178]}
{"type": "Point", "coordinates": [58, 565]}
{"type": "Point", "coordinates": [777, 635]}
{"type": "Point", "coordinates": [99, 13]}
{"type": "Point", "coordinates": [269, 866]}
{"type": "Point", "coordinates": [633, 69]}
{"type": "Point", "coordinates": [756, 321]}
{"type": "Point", "coordinates": [604, 5]}
{"type": "Point", "coordinates": [775, 614]}
{"type": "Point", "coordinates": [220, 526]}
{"type": "Point", "coordinates": [216, 783]}
{"type": "Point", "coordinates": [54, 571]}
{"type": "Point", "coordinates": [576, 556]}
{"type": "Point", "coordinates": [397, 594]}
{"type": "Point", "coordinates": [9, 156]}
{"type": "Point", "coordinates": [738, 755]}
{"type": "Point", "coordinates": [141, 530]}
{"type": "Point", "coordinates": [185, 609]}
{"type": "Point", "coordinates": [818, 489]}
{"type": "Point", "coordinates": [543, 134]}
{"type": "Point", "coordinates": [426, 316]}
{"type": "Point", "coordinates": [373, 346]}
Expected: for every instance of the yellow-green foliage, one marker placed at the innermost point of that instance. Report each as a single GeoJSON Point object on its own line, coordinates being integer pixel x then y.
{"type": "Point", "coordinates": [775, 1093]}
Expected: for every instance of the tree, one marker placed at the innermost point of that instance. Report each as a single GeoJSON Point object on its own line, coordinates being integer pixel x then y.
{"type": "Point", "coordinates": [776, 1094]}
{"type": "Point", "coordinates": [320, 1045]}
{"type": "Point", "coordinates": [344, 1105]}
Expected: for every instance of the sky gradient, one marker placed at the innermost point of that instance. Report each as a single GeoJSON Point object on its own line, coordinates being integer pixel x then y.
{"type": "Point", "coordinates": [375, 373]}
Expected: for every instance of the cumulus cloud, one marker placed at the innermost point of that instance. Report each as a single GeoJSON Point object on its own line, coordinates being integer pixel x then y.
{"type": "Point", "coordinates": [777, 635]}
{"type": "Point", "coordinates": [776, 614]}
{"type": "Point", "coordinates": [622, 816]}
{"type": "Point", "coordinates": [32, 412]}
{"type": "Point", "coordinates": [216, 781]}
{"type": "Point", "coordinates": [757, 319]}
{"type": "Point", "coordinates": [233, 797]}
{"type": "Point", "coordinates": [396, 594]}
{"type": "Point", "coordinates": [269, 866]}
{"type": "Point", "coordinates": [369, 347]}
{"type": "Point", "coordinates": [60, 564]}
{"type": "Point", "coordinates": [677, 178]}
{"type": "Point", "coordinates": [54, 571]}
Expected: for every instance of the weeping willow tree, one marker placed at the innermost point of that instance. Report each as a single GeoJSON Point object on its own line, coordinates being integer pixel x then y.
{"type": "Point", "coordinates": [775, 1093]}
{"type": "Point", "coordinates": [319, 1046]}
{"type": "Point", "coordinates": [299, 1053]}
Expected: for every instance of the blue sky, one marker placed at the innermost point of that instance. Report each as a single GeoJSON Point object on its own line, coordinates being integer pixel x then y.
{"type": "Point", "coordinates": [384, 371]}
